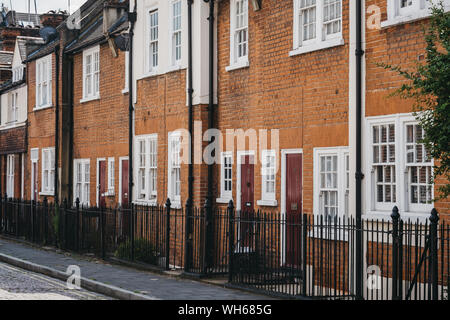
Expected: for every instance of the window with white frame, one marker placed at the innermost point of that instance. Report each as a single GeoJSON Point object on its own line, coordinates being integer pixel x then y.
{"type": "Point", "coordinates": [384, 164]}
{"type": "Point", "coordinates": [153, 37]}
{"type": "Point", "coordinates": [317, 25]}
{"type": "Point", "coordinates": [111, 176]}
{"type": "Point", "coordinates": [401, 168]}
{"type": "Point", "coordinates": [10, 175]}
{"type": "Point", "coordinates": [419, 167]}
{"type": "Point", "coordinates": [330, 182]}
{"type": "Point", "coordinates": [239, 32]}
{"type": "Point", "coordinates": [176, 31]}
{"type": "Point", "coordinates": [174, 160]}
{"type": "Point", "coordinates": [91, 73]}
{"type": "Point", "coordinates": [17, 74]}
{"type": "Point", "coordinates": [226, 174]}
{"type": "Point", "coordinates": [268, 175]}
{"type": "Point", "coordinates": [347, 184]}
{"type": "Point", "coordinates": [401, 11]}
{"type": "Point", "coordinates": [147, 166]}
{"type": "Point", "coordinates": [82, 180]}
{"type": "Point", "coordinates": [14, 107]}
{"type": "Point", "coordinates": [48, 170]}
{"type": "Point", "coordinates": [44, 82]}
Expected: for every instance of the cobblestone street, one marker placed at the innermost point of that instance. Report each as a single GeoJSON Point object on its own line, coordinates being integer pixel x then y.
{"type": "Point", "coordinates": [18, 284]}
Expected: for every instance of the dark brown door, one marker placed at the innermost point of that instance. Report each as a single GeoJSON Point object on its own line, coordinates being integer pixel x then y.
{"type": "Point", "coordinates": [35, 181]}
{"type": "Point", "coordinates": [247, 199]}
{"type": "Point", "coordinates": [102, 183]}
{"type": "Point", "coordinates": [293, 208]}
{"type": "Point", "coordinates": [124, 191]}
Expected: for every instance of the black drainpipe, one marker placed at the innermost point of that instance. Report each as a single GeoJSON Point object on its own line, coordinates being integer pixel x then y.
{"type": "Point", "coordinates": [56, 125]}
{"type": "Point", "coordinates": [189, 203]}
{"type": "Point", "coordinates": [71, 168]}
{"type": "Point", "coordinates": [132, 18]}
{"type": "Point", "coordinates": [359, 175]}
{"type": "Point", "coordinates": [209, 197]}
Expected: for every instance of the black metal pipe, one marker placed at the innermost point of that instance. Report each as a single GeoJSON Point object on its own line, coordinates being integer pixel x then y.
{"type": "Point", "coordinates": [56, 176]}
{"type": "Point", "coordinates": [359, 175]}
{"type": "Point", "coordinates": [71, 168]}
{"type": "Point", "coordinates": [189, 204]}
{"type": "Point", "coordinates": [132, 18]}
{"type": "Point", "coordinates": [209, 197]}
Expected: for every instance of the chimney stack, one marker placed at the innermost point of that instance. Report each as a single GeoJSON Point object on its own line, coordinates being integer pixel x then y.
{"type": "Point", "coordinates": [53, 19]}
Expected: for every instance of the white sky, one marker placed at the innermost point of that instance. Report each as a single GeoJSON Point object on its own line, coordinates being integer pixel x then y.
{"type": "Point", "coordinates": [43, 5]}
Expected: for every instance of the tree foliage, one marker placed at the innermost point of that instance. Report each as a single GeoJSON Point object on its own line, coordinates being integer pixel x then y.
{"type": "Point", "coordinates": [429, 86]}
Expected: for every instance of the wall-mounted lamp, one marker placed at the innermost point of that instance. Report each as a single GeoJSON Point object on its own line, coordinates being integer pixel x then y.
{"type": "Point", "coordinates": [256, 5]}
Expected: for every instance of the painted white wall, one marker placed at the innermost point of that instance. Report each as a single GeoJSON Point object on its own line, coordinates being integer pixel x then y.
{"type": "Point", "coordinates": [200, 32]}
{"type": "Point", "coordinates": [22, 98]}
{"type": "Point", "coordinates": [5, 105]}
{"type": "Point", "coordinates": [352, 106]}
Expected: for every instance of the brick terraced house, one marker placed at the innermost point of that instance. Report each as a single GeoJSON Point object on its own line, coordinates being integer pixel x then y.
{"type": "Point", "coordinates": [286, 86]}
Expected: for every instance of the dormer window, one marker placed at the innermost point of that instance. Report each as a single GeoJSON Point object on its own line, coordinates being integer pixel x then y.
{"type": "Point", "coordinates": [17, 74]}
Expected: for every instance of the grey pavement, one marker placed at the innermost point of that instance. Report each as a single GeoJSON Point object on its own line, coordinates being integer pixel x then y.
{"type": "Point", "coordinates": [19, 284]}
{"type": "Point", "coordinates": [153, 285]}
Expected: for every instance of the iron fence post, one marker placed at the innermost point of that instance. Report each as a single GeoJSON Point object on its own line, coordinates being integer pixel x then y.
{"type": "Point", "coordinates": [395, 237]}
{"type": "Point", "coordinates": [32, 211]}
{"type": "Point", "coordinates": [230, 240]}
{"type": "Point", "coordinates": [434, 218]}
{"type": "Point", "coordinates": [400, 261]}
{"type": "Point", "coordinates": [65, 206]}
{"type": "Point", "coordinates": [304, 256]}
{"type": "Point", "coordinates": [132, 231]}
{"type": "Point", "coordinates": [168, 204]}
{"type": "Point", "coordinates": [1, 213]}
{"type": "Point", "coordinates": [17, 216]}
{"type": "Point", "coordinates": [77, 226]}
{"type": "Point", "coordinates": [187, 236]}
{"type": "Point", "coordinates": [102, 233]}
{"type": "Point", "coordinates": [45, 219]}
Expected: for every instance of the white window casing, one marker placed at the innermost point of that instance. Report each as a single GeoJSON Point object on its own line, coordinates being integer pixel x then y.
{"type": "Point", "coordinates": [91, 74]}
{"type": "Point", "coordinates": [111, 176]}
{"type": "Point", "coordinates": [10, 169]}
{"type": "Point", "coordinates": [226, 178]}
{"type": "Point", "coordinates": [317, 25]}
{"type": "Point", "coordinates": [174, 169]}
{"type": "Point", "coordinates": [399, 167]}
{"type": "Point", "coordinates": [146, 162]}
{"type": "Point", "coordinates": [404, 11]}
{"type": "Point", "coordinates": [48, 171]}
{"type": "Point", "coordinates": [153, 41]}
{"type": "Point", "coordinates": [331, 182]}
{"type": "Point", "coordinates": [44, 82]}
{"type": "Point", "coordinates": [13, 110]}
{"type": "Point", "coordinates": [81, 181]}
{"type": "Point", "coordinates": [175, 30]}
{"type": "Point", "coordinates": [239, 41]}
{"type": "Point", "coordinates": [268, 178]}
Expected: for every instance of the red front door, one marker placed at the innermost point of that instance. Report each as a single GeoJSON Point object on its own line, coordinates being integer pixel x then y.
{"type": "Point", "coordinates": [124, 191]}
{"type": "Point", "coordinates": [102, 183]}
{"type": "Point", "coordinates": [247, 199]}
{"type": "Point", "coordinates": [293, 208]}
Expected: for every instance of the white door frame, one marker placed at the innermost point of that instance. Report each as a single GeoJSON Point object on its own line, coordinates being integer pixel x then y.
{"type": "Point", "coordinates": [33, 173]}
{"type": "Point", "coordinates": [97, 185]}
{"type": "Point", "coordinates": [284, 153]}
{"type": "Point", "coordinates": [120, 178]}
{"type": "Point", "coordinates": [240, 154]}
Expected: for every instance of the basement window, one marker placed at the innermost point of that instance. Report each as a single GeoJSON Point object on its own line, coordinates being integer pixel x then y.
{"type": "Point", "coordinates": [226, 178]}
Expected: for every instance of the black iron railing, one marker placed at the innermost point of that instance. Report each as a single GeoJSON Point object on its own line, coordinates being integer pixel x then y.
{"type": "Point", "coordinates": [285, 255]}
